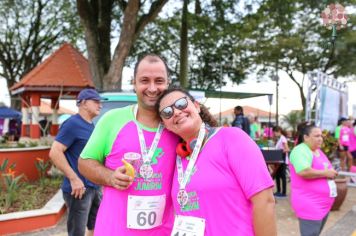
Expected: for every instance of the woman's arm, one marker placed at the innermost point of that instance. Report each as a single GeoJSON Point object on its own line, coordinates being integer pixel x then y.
{"type": "Point", "coordinates": [264, 219]}
{"type": "Point", "coordinates": [310, 173]}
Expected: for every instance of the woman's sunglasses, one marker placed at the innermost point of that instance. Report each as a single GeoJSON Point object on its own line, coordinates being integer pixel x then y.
{"type": "Point", "coordinates": [180, 104]}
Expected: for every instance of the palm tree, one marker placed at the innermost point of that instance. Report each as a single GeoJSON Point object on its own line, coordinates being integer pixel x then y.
{"type": "Point", "coordinates": [293, 118]}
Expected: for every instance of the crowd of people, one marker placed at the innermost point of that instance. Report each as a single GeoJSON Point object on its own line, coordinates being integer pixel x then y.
{"type": "Point", "coordinates": [191, 177]}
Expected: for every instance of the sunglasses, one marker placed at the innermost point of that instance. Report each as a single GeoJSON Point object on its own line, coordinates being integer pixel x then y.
{"type": "Point", "coordinates": [180, 104]}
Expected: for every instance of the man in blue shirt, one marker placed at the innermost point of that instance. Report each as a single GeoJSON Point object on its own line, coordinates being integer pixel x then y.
{"type": "Point", "coordinates": [82, 197]}
{"type": "Point", "coordinates": [240, 120]}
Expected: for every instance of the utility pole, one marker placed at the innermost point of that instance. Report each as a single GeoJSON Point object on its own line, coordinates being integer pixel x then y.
{"type": "Point", "coordinates": [276, 78]}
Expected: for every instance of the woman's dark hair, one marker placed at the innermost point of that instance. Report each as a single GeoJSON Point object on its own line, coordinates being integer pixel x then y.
{"type": "Point", "coordinates": [204, 112]}
{"type": "Point", "coordinates": [279, 129]}
{"type": "Point", "coordinates": [304, 128]}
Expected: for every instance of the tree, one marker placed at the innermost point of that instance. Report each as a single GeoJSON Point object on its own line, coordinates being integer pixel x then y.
{"type": "Point", "coordinates": [289, 36]}
{"type": "Point", "coordinates": [292, 119]}
{"type": "Point", "coordinates": [214, 49]}
{"type": "Point", "coordinates": [30, 30]}
{"type": "Point", "coordinates": [96, 17]}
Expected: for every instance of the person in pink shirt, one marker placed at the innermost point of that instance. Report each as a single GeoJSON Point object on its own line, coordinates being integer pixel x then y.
{"type": "Point", "coordinates": [344, 143]}
{"type": "Point", "coordinates": [282, 144]}
{"type": "Point", "coordinates": [221, 185]}
{"type": "Point", "coordinates": [352, 146]}
{"type": "Point", "coordinates": [312, 186]}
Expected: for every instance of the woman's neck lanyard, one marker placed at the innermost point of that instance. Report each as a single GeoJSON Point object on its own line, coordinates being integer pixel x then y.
{"type": "Point", "coordinates": [146, 170]}
{"type": "Point", "coordinates": [183, 176]}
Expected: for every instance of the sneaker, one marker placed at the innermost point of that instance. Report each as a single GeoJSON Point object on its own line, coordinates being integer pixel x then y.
{"type": "Point", "coordinates": [280, 195]}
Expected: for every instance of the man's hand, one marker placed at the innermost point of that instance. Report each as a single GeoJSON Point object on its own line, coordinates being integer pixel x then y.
{"type": "Point", "coordinates": [78, 188]}
{"type": "Point", "coordinates": [119, 179]}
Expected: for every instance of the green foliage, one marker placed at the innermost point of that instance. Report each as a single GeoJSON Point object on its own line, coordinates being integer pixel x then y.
{"type": "Point", "coordinates": [34, 195]}
{"type": "Point", "coordinates": [216, 53]}
{"type": "Point", "coordinates": [31, 30]}
{"type": "Point", "coordinates": [289, 35]}
{"type": "Point", "coordinates": [10, 183]}
{"type": "Point", "coordinates": [329, 145]}
{"type": "Point", "coordinates": [42, 166]}
{"type": "Point", "coordinates": [21, 145]}
{"type": "Point", "coordinates": [292, 119]}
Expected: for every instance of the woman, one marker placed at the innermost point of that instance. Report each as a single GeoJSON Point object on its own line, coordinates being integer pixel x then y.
{"type": "Point", "coordinates": [282, 144]}
{"type": "Point", "coordinates": [312, 186]}
{"type": "Point", "coordinates": [222, 187]}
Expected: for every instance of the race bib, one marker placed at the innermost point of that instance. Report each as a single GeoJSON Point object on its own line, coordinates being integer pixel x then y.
{"type": "Point", "coordinates": [188, 226]}
{"type": "Point", "coordinates": [332, 188]}
{"type": "Point", "coordinates": [145, 212]}
{"type": "Point", "coordinates": [345, 138]}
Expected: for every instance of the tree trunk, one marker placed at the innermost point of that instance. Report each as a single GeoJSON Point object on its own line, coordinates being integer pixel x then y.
{"type": "Point", "coordinates": [183, 72]}
{"type": "Point", "coordinates": [95, 16]}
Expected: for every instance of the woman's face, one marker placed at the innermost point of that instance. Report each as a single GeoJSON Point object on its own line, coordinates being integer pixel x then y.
{"type": "Point", "coordinates": [314, 139]}
{"type": "Point", "coordinates": [185, 119]}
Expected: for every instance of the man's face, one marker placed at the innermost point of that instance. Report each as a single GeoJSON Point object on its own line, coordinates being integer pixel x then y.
{"type": "Point", "coordinates": [93, 107]}
{"type": "Point", "coordinates": [150, 81]}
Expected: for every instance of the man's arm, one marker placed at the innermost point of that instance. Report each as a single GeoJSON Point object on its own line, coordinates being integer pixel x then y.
{"type": "Point", "coordinates": [264, 219]}
{"type": "Point", "coordinates": [99, 174]}
{"type": "Point", "coordinates": [59, 160]}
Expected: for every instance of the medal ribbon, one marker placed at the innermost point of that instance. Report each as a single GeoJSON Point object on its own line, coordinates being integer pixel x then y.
{"type": "Point", "coordinates": [183, 176]}
{"type": "Point", "coordinates": [147, 157]}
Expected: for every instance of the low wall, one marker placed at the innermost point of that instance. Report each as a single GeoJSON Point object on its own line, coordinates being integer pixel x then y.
{"type": "Point", "coordinates": [25, 159]}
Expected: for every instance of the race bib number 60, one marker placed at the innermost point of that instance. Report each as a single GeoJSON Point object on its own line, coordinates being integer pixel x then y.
{"type": "Point", "coordinates": [145, 212]}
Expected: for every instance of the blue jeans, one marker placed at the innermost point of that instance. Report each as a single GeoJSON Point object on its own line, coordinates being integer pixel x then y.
{"type": "Point", "coordinates": [82, 212]}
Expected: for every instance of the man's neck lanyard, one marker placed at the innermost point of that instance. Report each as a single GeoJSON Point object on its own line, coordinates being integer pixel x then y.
{"type": "Point", "coordinates": [146, 169]}
{"type": "Point", "coordinates": [183, 176]}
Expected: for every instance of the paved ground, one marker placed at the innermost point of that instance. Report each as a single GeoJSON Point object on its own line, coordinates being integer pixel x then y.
{"type": "Point", "coordinates": [340, 223]}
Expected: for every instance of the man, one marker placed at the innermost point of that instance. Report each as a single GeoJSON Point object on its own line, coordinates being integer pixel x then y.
{"type": "Point", "coordinates": [82, 197]}
{"type": "Point", "coordinates": [240, 120]}
{"type": "Point", "coordinates": [140, 205]}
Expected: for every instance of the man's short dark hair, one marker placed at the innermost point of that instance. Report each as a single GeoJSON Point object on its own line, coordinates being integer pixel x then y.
{"type": "Point", "coordinates": [239, 108]}
{"type": "Point", "coordinates": [151, 57]}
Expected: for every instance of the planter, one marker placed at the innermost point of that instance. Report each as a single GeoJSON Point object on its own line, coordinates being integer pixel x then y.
{"type": "Point", "coordinates": [27, 221]}
{"type": "Point", "coordinates": [341, 185]}
{"type": "Point", "coordinates": [25, 159]}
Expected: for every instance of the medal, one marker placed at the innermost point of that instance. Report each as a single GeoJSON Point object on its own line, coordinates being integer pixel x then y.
{"type": "Point", "coordinates": [146, 171]}
{"type": "Point", "coordinates": [183, 176]}
{"type": "Point", "coordinates": [182, 197]}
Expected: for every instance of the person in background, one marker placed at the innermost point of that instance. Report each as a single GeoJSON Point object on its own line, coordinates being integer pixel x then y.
{"type": "Point", "coordinates": [344, 142]}
{"type": "Point", "coordinates": [352, 148]}
{"type": "Point", "coordinates": [240, 120]}
{"type": "Point", "coordinates": [312, 181]}
{"type": "Point", "coordinates": [267, 131]}
{"type": "Point", "coordinates": [255, 127]}
{"type": "Point", "coordinates": [282, 144]}
{"type": "Point", "coordinates": [140, 204]}
{"type": "Point", "coordinates": [214, 191]}
{"type": "Point", "coordinates": [82, 196]}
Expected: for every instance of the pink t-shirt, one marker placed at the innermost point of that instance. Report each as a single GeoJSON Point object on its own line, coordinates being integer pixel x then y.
{"type": "Point", "coordinates": [230, 169]}
{"type": "Point", "coordinates": [344, 138]}
{"type": "Point", "coordinates": [116, 134]}
{"type": "Point", "coordinates": [352, 146]}
{"type": "Point", "coordinates": [310, 197]}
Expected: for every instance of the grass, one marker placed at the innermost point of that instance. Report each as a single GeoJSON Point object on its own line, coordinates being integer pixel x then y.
{"type": "Point", "coordinates": [32, 195]}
